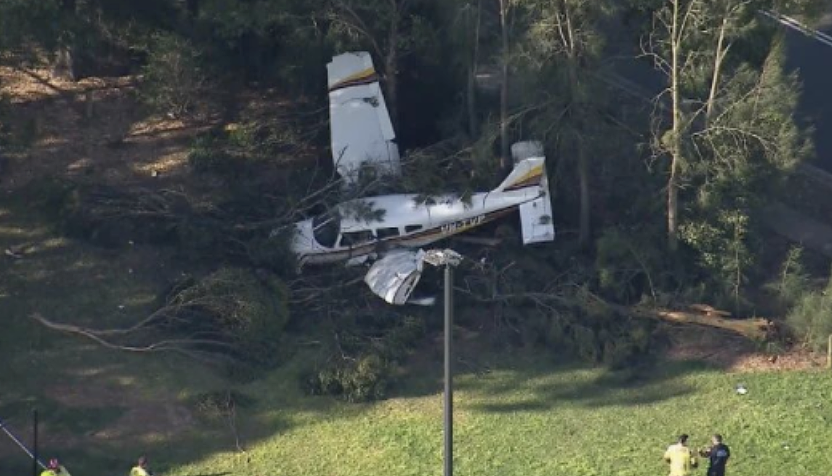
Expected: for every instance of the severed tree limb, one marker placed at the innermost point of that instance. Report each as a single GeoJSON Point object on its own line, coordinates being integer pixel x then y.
{"type": "Point", "coordinates": [178, 346]}
{"type": "Point", "coordinates": [757, 329]}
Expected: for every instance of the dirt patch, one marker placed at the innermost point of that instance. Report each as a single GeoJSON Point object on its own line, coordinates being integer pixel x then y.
{"type": "Point", "coordinates": [737, 354]}
{"type": "Point", "coordinates": [93, 129]}
{"type": "Point", "coordinates": [142, 419]}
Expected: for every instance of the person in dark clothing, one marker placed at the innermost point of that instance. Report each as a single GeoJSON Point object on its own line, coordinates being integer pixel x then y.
{"type": "Point", "coordinates": [718, 455]}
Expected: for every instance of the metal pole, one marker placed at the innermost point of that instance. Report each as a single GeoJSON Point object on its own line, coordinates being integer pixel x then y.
{"type": "Point", "coordinates": [18, 442]}
{"type": "Point", "coordinates": [449, 397]}
{"type": "Point", "coordinates": [34, 443]}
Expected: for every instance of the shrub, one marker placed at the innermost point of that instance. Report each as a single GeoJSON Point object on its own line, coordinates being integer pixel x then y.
{"type": "Point", "coordinates": [362, 380]}
{"type": "Point", "coordinates": [243, 312]}
{"type": "Point", "coordinates": [175, 80]}
{"type": "Point", "coordinates": [811, 317]}
{"type": "Point", "coordinates": [208, 155]}
{"type": "Point", "coordinates": [362, 369]}
{"type": "Point", "coordinates": [793, 280]}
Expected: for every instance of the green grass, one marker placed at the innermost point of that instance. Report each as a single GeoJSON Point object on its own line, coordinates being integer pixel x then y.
{"type": "Point", "coordinates": [535, 418]}
{"type": "Point", "coordinates": [528, 416]}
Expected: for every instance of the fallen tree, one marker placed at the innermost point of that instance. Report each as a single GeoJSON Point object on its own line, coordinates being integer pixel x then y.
{"type": "Point", "coordinates": [554, 298]}
{"type": "Point", "coordinates": [757, 329]}
{"type": "Point", "coordinates": [230, 316]}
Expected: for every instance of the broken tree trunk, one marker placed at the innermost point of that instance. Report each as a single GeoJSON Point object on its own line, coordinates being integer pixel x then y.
{"type": "Point", "coordinates": [758, 329]}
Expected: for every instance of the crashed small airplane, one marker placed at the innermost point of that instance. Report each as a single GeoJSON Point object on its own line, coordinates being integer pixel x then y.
{"type": "Point", "coordinates": [400, 224]}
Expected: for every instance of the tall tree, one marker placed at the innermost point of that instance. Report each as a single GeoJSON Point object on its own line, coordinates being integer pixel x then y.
{"type": "Point", "coordinates": [567, 34]}
{"type": "Point", "coordinates": [505, 56]}
{"type": "Point", "coordinates": [382, 25]}
{"type": "Point", "coordinates": [690, 43]}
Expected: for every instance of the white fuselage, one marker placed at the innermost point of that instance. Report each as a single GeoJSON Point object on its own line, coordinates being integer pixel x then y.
{"type": "Point", "coordinates": [398, 221]}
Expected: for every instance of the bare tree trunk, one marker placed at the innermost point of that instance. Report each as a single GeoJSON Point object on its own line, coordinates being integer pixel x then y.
{"type": "Point", "coordinates": [572, 57]}
{"type": "Point", "coordinates": [504, 145]}
{"type": "Point", "coordinates": [471, 103]}
{"type": "Point", "coordinates": [583, 180]}
{"type": "Point", "coordinates": [471, 100]}
{"type": "Point", "coordinates": [720, 56]}
{"type": "Point", "coordinates": [676, 139]}
{"type": "Point", "coordinates": [64, 66]}
{"type": "Point", "coordinates": [391, 61]}
{"type": "Point", "coordinates": [757, 329]}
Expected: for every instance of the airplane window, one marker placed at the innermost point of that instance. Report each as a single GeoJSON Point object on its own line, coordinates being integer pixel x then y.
{"type": "Point", "coordinates": [382, 233]}
{"type": "Point", "coordinates": [325, 227]}
{"type": "Point", "coordinates": [412, 228]}
{"type": "Point", "coordinates": [356, 238]}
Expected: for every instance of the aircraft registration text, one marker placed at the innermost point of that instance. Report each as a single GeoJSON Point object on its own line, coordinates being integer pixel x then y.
{"type": "Point", "coordinates": [460, 225]}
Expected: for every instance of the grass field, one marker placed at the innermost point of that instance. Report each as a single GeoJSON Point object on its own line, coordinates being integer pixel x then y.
{"type": "Point", "coordinates": [529, 415]}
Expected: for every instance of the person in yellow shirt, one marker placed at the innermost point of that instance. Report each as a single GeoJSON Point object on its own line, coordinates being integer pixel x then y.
{"type": "Point", "coordinates": [141, 468]}
{"type": "Point", "coordinates": [55, 468]}
{"type": "Point", "coordinates": [680, 457]}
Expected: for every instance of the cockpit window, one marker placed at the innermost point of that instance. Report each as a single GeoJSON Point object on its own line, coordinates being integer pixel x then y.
{"type": "Point", "coordinates": [325, 227]}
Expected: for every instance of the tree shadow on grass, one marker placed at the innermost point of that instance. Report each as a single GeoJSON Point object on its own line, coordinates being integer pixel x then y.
{"type": "Point", "coordinates": [100, 409]}
{"type": "Point", "coordinates": [602, 391]}
{"type": "Point", "coordinates": [537, 383]}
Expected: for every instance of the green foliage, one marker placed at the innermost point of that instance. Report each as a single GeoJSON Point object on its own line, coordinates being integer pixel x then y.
{"type": "Point", "coordinates": [811, 317]}
{"type": "Point", "coordinates": [23, 22]}
{"type": "Point", "coordinates": [239, 150]}
{"type": "Point", "coordinates": [599, 338]}
{"type": "Point", "coordinates": [175, 78]}
{"type": "Point", "coordinates": [207, 155]}
{"type": "Point", "coordinates": [361, 380]}
{"type": "Point", "coordinates": [629, 265]}
{"type": "Point", "coordinates": [793, 280]}
{"type": "Point", "coordinates": [368, 351]}
{"type": "Point", "coordinates": [722, 251]}
{"type": "Point", "coordinates": [243, 313]}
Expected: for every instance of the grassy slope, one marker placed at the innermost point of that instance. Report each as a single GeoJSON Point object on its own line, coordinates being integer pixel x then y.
{"type": "Point", "coordinates": [532, 417]}
{"type": "Point", "coordinates": [528, 416]}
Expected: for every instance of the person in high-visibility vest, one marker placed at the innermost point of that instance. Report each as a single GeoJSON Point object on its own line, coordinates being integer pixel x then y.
{"type": "Point", "coordinates": [55, 468]}
{"type": "Point", "coordinates": [680, 457]}
{"type": "Point", "coordinates": [141, 468]}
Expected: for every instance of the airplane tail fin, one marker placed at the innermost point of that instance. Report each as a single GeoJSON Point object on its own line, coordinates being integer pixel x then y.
{"type": "Point", "coordinates": [529, 175]}
{"type": "Point", "coordinates": [527, 172]}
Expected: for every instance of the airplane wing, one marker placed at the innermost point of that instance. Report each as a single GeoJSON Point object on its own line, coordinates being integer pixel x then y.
{"type": "Point", "coordinates": [394, 276]}
{"type": "Point", "coordinates": [362, 133]}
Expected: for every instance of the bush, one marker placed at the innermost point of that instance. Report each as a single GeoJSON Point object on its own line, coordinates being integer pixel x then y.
{"type": "Point", "coordinates": [208, 155]}
{"type": "Point", "coordinates": [245, 313]}
{"type": "Point", "coordinates": [368, 352]}
{"type": "Point", "coordinates": [811, 317]}
{"type": "Point", "coordinates": [629, 266]}
{"type": "Point", "coordinates": [362, 380]}
{"type": "Point", "coordinates": [175, 80]}
{"type": "Point", "coordinates": [793, 281]}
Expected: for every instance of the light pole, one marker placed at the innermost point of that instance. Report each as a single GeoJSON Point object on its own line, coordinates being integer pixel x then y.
{"type": "Point", "coordinates": [449, 259]}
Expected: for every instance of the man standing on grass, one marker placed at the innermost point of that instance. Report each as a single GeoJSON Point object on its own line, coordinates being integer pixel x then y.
{"type": "Point", "coordinates": [55, 468]}
{"type": "Point", "coordinates": [718, 455]}
{"type": "Point", "coordinates": [680, 457]}
{"type": "Point", "coordinates": [141, 468]}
